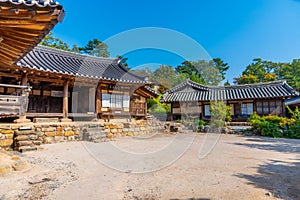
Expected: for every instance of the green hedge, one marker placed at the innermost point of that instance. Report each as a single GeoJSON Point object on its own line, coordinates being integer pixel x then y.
{"type": "Point", "coordinates": [275, 126]}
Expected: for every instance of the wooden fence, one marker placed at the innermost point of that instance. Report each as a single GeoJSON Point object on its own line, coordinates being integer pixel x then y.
{"type": "Point", "coordinates": [15, 104]}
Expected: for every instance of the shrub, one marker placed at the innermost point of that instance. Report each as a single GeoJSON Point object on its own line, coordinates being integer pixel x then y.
{"type": "Point", "coordinates": [155, 106]}
{"type": "Point", "coordinates": [294, 124]}
{"type": "Point", "coordinates": [219, 113]}
{"type": "Point", "coordinates": [272, 126]}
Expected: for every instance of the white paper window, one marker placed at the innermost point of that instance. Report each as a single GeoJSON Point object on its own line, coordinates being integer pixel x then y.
{"type": "Point", "coordinates": [207, 110]}
{"type": "Point", "coordinates": [116, 101]}
{"type": "Point", "coordinates": [247, 108]}
{"type": "Point", "coordinates": [126, 101]}
{"type": "Point", "coordinates": [105, 100]}
{"type": "Point", "coordinates": [259, 107]}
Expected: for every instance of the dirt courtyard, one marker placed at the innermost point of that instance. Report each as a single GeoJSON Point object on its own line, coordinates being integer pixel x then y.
{"type": "Point", "coordinates": [185, 166]}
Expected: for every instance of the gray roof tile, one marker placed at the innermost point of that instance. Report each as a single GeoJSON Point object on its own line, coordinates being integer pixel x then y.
{"type": "Point", "coordinates": [64, 62]}
{"type": "Point", "coordinates": [235, 92]}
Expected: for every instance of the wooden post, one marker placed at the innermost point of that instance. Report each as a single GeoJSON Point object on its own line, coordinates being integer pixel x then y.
{"type": "Point", "coordinates": [65, 99]}
{"type": "Point", "coordinates": [24, 81]}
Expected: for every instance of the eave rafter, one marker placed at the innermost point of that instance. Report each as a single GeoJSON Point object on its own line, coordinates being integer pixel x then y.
{"type": "Point", "coordinates": [23, 26]}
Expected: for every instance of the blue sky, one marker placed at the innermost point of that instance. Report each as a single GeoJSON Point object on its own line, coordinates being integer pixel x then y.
{"type": "Point", "coordinates": [235, 30]}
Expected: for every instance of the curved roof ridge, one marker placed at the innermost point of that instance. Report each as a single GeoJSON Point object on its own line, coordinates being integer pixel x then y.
{"type": "Point", "coordinates": [70, 63]}
{"type": "Point", "coordinates": [39, 3]}
{"type": "Point", "coordinates": [74, 54]}
{"type": "Point", "coordinates": [274, 89]}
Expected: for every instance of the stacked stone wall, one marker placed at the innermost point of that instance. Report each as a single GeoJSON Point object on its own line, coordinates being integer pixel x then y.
{"type": "Point", "coordinates": [23, 137]}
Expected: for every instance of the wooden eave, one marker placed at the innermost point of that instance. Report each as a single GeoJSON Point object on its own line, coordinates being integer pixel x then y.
{"type": "Point", "coordinates": [22, 27]}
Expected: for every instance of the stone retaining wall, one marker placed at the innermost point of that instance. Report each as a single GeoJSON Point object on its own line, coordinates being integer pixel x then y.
{"type": "Point", "coordinates": [23, 137]}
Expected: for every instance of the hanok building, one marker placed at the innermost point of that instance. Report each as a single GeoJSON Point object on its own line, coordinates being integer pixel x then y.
{"type": "Point", "coordinates": [63, 84]}
{"type": "Point", "coordinates": [263, 98]}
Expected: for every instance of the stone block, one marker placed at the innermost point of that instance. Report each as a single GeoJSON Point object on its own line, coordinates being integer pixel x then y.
{"type": "Point", "coordinates": [50, 134]}
{"type": "Point", "coordinates": [69, 133]}
{"type": "Point", "coordinates": [125, 129]}
{"type": "Point", "coordinates": [120, 125]}
{"type": "Point", "coordinates": [60, 128]}
{"type": "Point", "coordinates": [40, 134]}
{"type": "Point", "coordinates": [14, 127]}
{"type": "Point", "coordinates": [50, 129]}
{"type": "Point", "coordinates": [48, 140]}
{"type": "Point", "coordinates": [24, 143]}
{"type": "Point", "coordinates": [45, 120]}
{"type": "Point", "coordinates": [22, 137]}
{"type": "Point", "coordinates": [33, 137]}
{"type": "Point", "coordinates": [6, 142]}
{"type": "Point", "coordinates": [25, 149]}
{"type": "Point", "coordinates": [5, 169]}
{"type": "Point", "coordinates": [110, 136]}
{"type": "Point", "coordinates": [65, 120]}
{"type": "Point", "coordinates": [114, 130]}
{"type": "Point", "coordinates": [26, 132]}
{"type": "Point", "coordinates": [59, 138]}
{"type": "Point", "coordinates": [71, 138]}
{"type": "Point", "coordinates": [68, 128]}
{"type": "Point", "coordinates": [20, 165]}
{"type": "Point", "coordinates": [60, 133]}
{"type": "Point", "coordinates": [120, 130]}
{"type": "Point", "coordinates": [7, 132]}
{"type": "Point", "coordinates": [113, 126]}
{"type": "Point", "coordinates": [9, 136]}
{"type": "Point", "coordinates": [37, 142]}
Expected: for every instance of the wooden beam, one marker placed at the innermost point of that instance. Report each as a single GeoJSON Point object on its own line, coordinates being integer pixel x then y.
{"type": "Point", "coordinates": [38, 26]}
{"type": "Point", "coordinates": [24, 81]}
{"type": "Point", "coordinates": [65, 99]}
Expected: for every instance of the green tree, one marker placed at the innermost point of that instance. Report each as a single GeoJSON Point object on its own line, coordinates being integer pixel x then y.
{"type": "Point", "coordinates": [75, 49]}
{"type": "Point", "coordinates": [219, 113]}
{"type": "Point", "coordinates": [204, 72]}
{"type": "Point", "coordinates": [290, 72]}
{"type": "Point", "coordinates": [165, 76]}
{"type": "Point", "coordinates": [227, 83]}
{"type": "Point", "coordinates": [246, 79]}
{"type": "Point", "coordinates": [270, 77]}
{"type": "Point", "coordinates": [95, 48]}
{"type": "Point", "coordinates": [221, 66]}
{"type": "Point", "coordinates": [54, 42]}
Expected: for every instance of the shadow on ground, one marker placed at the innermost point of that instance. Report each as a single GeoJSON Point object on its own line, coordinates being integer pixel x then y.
{"type": "Point", "coordinates": [273, 144]}
{"type": "Point", "coordinates": [280, 178]}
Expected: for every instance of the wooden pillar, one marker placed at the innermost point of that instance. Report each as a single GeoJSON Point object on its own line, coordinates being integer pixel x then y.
{"type": "Point", "coordinates": [24, 81]}
{"type": "Point", "coordinates": [65, 99]}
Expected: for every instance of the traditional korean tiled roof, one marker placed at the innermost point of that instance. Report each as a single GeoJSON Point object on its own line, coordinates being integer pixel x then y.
{"type": "Point", "coordinates": [23, 24]}
{"type": "Point", "coordinates": [292, 101]}
{"type": "Point", "coordinates": [74, 64]}
{"type": "Point", "coordinates": [191, 91]}
{"type": "Point", "coordinates": [32, 3]}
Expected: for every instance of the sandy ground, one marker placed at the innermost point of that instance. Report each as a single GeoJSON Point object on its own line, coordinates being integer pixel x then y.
{"type": "Point", "coordinates": [212, 167]}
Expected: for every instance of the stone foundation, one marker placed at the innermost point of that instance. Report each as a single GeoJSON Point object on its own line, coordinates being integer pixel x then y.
{"type": "Point", "coordinates": [25, 137]}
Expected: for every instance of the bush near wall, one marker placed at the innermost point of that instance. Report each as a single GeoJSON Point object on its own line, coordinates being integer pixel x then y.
{"type": "Point", "coordinates": [275, 126]}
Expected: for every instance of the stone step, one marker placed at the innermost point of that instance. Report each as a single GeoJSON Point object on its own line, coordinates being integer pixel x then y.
{"type": "Point", "coordinates": [94, 130]}
{"type": "Point", "coordinates": [27, 148]}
